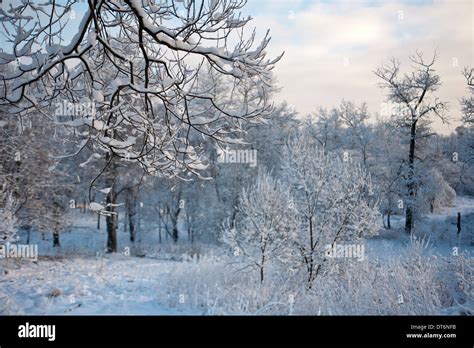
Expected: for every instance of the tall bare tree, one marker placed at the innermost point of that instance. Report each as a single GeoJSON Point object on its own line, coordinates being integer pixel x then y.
{"type": "Point", "coordinates": [413, 94]}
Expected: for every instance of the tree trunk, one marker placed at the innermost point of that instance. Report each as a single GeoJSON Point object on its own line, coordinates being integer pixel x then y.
{"type": "Point", "coordinates": [132, 227]}
{"type": "Point", "coordinates": [132, 212]}
{"type": "Point", "coordinates": [409, 216]}
{"type": "Point", "coordinates": [28, 229]}
{"type": "Point", "coordinates": [459, 224]}
{"type": "Point", "coordinates": [389, 226]}
{"type": "Point", "coordinates": [111, 219]}
{"type": "Point", "coordinates": [111, 229]}
{"type": "Point", "coordinates": [174, 219]}
{"type": "Point", "coordinates": [189, 223]}
{"type": "Point", "coordinates": [262, 259]}
{"type": "Point", "coordinates": [98, 221]}
{"type": "Point", "coordinates": [311, 261]}
{"type": "Point", "coordinates": [174, 234]}
{"type": "Point", "coordinates": [125, 218]}
{"type": "Point", "coordinates": [56, 239]}
{"type": "Point", "coordinates": [234, 215]}
{"type": "Point", "coordinates": [159, 232]}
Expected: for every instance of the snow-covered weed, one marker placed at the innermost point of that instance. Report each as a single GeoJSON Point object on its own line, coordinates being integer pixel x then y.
{"type": "Point", "coordinates": [417, 282]}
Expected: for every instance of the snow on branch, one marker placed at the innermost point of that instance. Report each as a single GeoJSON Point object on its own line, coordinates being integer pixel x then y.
{"type": "Point", "coordinates": [146, 79]}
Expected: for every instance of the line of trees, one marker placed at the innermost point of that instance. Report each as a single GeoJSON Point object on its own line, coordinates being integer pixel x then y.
{"type": "Point", "coordinates": [162, 90]}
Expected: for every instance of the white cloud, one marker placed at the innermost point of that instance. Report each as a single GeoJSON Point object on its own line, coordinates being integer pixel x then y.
{"type": "Point", "coordinates": [333, 48]}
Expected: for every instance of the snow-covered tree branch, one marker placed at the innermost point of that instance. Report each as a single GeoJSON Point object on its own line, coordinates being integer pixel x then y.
{"type": "Point", "coordinates": [143, 74]}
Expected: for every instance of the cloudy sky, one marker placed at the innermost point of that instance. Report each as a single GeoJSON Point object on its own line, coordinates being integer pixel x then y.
{"type": "Point", "coordinates": [333, 47]}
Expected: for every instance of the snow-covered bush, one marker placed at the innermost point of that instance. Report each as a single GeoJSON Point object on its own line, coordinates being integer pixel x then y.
{"type": "Point", "coordinates": [435, 192]}
{"type": "Point", "coordinates": [415, 282]}
{"type": "Point", "coordinates": [5, 303]}
{"type": "Point", "coordinates": [265, 224]}
{"type": "Point", "coordinates": [412, 282]}
{"type": "Point", "coordinates": [457, 280]}
{"type": "Point", "coordinates": [8, 222]}
{"type": "Point", "coordinates": [333, 198]}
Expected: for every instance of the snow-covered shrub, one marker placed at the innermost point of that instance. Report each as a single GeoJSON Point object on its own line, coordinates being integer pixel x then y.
{"type": "Point", "coordinates": [215, 288]}
{"type": "Point", "coordinates": [414, 282]}
{"type": "Point", "coordinates": [264, 226]}
{"type": "Point", "coordinates": [8, 222]}
{"type": "Point", "coordinates": [435, 192]}
{"type": "Point", "coordinates": [333, 198]}
{"type": "Point", "coordinates": [457, 282]}
{"type": "Point", "coordinates": [400, 285]}
{"type": "Point", "coordinates": [5, 303]}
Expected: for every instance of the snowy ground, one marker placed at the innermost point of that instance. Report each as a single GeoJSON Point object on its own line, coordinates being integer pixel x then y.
{"type": "Point", "coordinates": [80, 279]}
{"type": "Point", "coordinates": [107, 285]}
